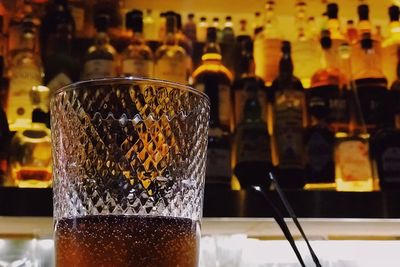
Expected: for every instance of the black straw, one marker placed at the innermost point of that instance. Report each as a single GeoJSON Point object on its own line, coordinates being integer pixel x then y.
{"type": "Point", "coordinates": [294, 218]}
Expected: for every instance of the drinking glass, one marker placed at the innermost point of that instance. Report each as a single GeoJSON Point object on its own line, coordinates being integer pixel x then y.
{"type": "Point", "coordinates": [129, 159]}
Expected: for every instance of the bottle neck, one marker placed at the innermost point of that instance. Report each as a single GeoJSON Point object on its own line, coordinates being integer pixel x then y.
{"type": "Point", "coordinates": [137, 37]}
{"type": "Point", "coordinates": [334, 28]}
{"type": "Point", "coordinates": [101, 39]}
{"type": "Point", "coordinates": [286, 66]}
{"type": "Point", "coordinates": [211, 52]}
{"type": "Point", "coordinates": [170, 38]}
{"type": "Point", "coordinates": [329, 59]}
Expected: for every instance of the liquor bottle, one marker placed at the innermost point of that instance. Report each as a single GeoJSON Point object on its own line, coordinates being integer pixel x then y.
{"type": "Point", "coordinates": [137, 58]}
{"type": "Point", "coordinates": [242, 33]}
{"type": "Point", "coordinates": [30, 156]}
{"type": "Point", "coordinates": [319, 143]}
{"type": "Point", "coordinates": [267, 45]}
{"type": "Point", "coordinates": [385, 146]}
{"type": "Point", "coordinates": [25, 72]}
{"type": "Point", "coordinates": [215, 24]}
{"type": "Point", "coordinates": [186, 43]}
{"type": "Point", "coordinates": [60, 67]}
{"type": "Point", "coordinates": [57, 13]}
{"type": "Point", "coordinates": [101, 58]}
{"type": "Point", "coordinates": [364, 25]}
{"type": "Point", "coordinates": [253, 146]}
{"type": "Point", "coordinates": [289, 119]}
{"type": "Point", "coordinates": [328, 84]}
{"type": "Point", "coordinates": [5, 137]}
{"type": "Point", "coordinates": [24, 12]}
{"type": "Point", "coordinates": [81, 12]}
{"type": "Point", "coordinates": [190, 28]}
{"type": "Point", "coordinates": [228, 45]}
{"type": "Point", "coordinates": [337, 37]}
{"type": "Point", "coordinates": [228, 35]}
{"type": "Point", "coordinates": [202, 31]}
{"type": "Point", "coordinates": [4, 81]}
{"type": "Point", "coordinates": [6, 17]}
{"type": "Point", "coordinates": [390, 45]}
{"type": "Point", "coordinates": [313, 28]}
{"type": "Point", "coordinates": [385, 143]}
{"type": "Point", "coordinates": [4, 85]}
{"type": "Point", "coordinates": [171, 59]}
{"type": "Point", "coordinates": [149, 26]}
{"type": "Point", "coordinates": [351, 32]}
{"type": "Point", "coordinates": [257, 24]}
{"type": "Point", "coordinates": [304, 48]}
{"type": "Point", "coordinates": [370, 82]}
{"type": "Point", "coordinates": [113, 10]}
{"type": "Point", "coordinates": [213, 78]}
{"type": "Point", "coordinates": [353, 167]}
{"type": "Point", "coordinates": [334, 24]}
{"type": "Point", "coordinates": [247, 83]}
{"type": "Point", "coordinates": [182, 39]}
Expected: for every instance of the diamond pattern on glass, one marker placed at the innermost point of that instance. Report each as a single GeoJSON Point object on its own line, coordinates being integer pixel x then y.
{"type": "Point", "coordinates": [130, 148]}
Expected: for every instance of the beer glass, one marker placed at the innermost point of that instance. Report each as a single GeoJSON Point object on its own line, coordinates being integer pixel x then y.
{"type": "Point", "coordinates": [129, 159]}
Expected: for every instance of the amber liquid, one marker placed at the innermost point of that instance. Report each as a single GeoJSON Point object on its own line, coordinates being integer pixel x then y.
{"type": "Point", "coordinates": [118, 240]}
{"type": "Point", "coordinates": [33, 177]}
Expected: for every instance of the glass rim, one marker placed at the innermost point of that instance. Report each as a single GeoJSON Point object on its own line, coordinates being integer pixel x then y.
{"type": "Point", "coordinates": [128, 80]}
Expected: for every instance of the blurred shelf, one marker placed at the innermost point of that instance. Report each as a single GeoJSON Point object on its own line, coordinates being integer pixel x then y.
{"type": "Point", "coordinates": [221, 202]}
{"type": "Point", "coordinates": [264, 228]}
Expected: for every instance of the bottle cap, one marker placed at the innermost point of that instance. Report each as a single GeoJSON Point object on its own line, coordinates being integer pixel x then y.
{"type": "Point", "coordinates": [216, 19]}
{"type": "Point", "coordinates": [394, 13]}
{"type": "Point", "coordinates": [170, 21]}
{"type": "Point", "coordinates": [228, 18]}
{"type": "Point", "coordinates": [211, 34]}
{"type": "Point", "coordinates": [326, 41]}
{"type": "Point", "coordinates": [363, 12]}
{"type": "Point", "coordinates": [366, 41]}
{"type": "Point", "coordinates": [285, 47]}
{"type": "Point", "coordinates": [134, 20]}
{"type": "Point", "coordinates": [203, 19]}
{"type": "Point", "coordinates": [332, 10]}
{"type": "Point", "coordinates": [101, 22]}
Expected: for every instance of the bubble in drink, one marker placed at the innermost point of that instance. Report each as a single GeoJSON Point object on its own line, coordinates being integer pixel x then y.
{"type": "Point", "coordinates": [127, 240]}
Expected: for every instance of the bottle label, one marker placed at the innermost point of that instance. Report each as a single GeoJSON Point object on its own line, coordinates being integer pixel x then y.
{"type": "Point", "coordinates": [171, 70]}
{"type": "Point", "coordinates": [138, 67]}
{"type": "Point", "coordinates": [335, 101]}
{"type": "Point", "coordinates": [218, 164]}
{"type": "Point", "coordinates": [241, 96]}
{"type": "Point", "coordinates": [352, 156]}
{"type": "Point", "coordinates": [319, 152]}
{"type": "Point", "coordinates": [59, 81]}
{"type": "Point", "coordinates": [289, 105]}
{"type": "Point", "coordinates": [372, 100]}
{"type": "Point", "coordinates": [98, 68]}
{"type": "Point", "coordinates": [253, 143]}
{"type": "Point", "coordinates": [391, 164]}
{"type": "Point", "coordinates": [23, 78]}
{"type": "Point", "coordinates": [267, 54]}
{"type": "Point", "coordinates": [79, 17]}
